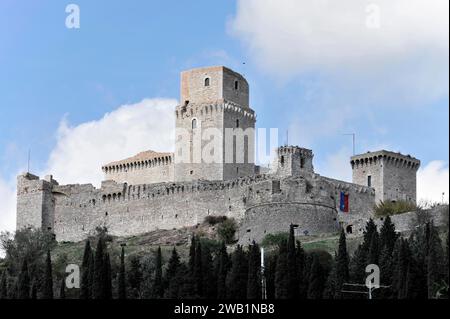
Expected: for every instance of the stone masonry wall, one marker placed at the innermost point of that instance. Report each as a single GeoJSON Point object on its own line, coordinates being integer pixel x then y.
{"type": "Point", "coordinates": [127, 210]}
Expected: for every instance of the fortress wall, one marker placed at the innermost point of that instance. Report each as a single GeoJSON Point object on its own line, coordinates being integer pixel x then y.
{"type": "Point", "coordinates": [141, 174]}
{"type": "Point", "coordinates": [312, 219]}
{"type": "Point", "coordinates": [132, 209]}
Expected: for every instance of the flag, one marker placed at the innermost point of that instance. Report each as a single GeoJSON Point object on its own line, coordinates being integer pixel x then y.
{"type": "Point", "coordinates": [343, 207]}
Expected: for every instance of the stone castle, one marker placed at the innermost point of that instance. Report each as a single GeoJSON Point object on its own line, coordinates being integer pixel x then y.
{"type": "Point", "coordinates": [155, 190]}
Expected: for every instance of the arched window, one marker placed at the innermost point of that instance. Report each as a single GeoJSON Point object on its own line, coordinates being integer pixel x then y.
{"type": "Point", "coordinates": [207, 80]}
{"type": "Point", "coordinates": [194, 123]}
{"type": "Point", "coordinates": [237, 123]}
{"type": "Point", "coordinates": [236, 85]}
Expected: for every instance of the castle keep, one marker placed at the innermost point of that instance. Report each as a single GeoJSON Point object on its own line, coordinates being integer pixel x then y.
{"type": "Point", "coordinates": [154, 190]}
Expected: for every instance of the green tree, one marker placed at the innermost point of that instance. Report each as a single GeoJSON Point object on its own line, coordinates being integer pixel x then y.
{"type": "Point", "coordinates": [4, 285]}
{"type": "Point", "coordinates": [222, 267]}
{"type": "Point", "coordinates": [373, 253]}
{"type": "Point", "coordinates": [171, 282]}
{"type": "Point", "coordinates": [358, 265]}
{"type": "Point", "coordinates": [198, 270]}
{"type": "Point", "coordinates": [47, 291]}
{"type": "Point", "coordinates": [122, 287]}
{"type": "Point", "coordinates": [86, 272]}
{"type": "Point", "coordinates": [209, 277]}
{"type": "Point", "coordinates": [282, 273]}
{"type": "Point", "coordinates": [158, 288]}
{"type": "Point", "coordinates": [316, 279]}
{"type": "Point", "coordinates": [388, 235]}
{"type": "Point", "coordinates": [302, 272]}
{"type": "Point", "coordinates": [23, 284]}
{"type": "Point", "coordinates": [293, 278]}
{"type": "Point", "coordinates": [435, 262]}
{"type": "Point", "coordinates": [33, 294]}
{"type": "Point", "coordinates": [99, 280]}
{"type": "Point", "coordinates": [342, 265]}
{"type": "Point", "coordinates": [254, 272]}
{"type": "Point", "coordinates": [62, 289]}
{"type": "Point", "coordinates": [108, 276]}
{"type": "Point", "coordinates": [135, 276]}
{"type": "Point", "coordinates": [227, 230]}
{"type": "Point", "coordinates": [237, 277]}
{"type": "Point", "coordinates": [401, 259]}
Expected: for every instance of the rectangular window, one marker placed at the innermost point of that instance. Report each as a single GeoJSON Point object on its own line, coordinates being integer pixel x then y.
{"type": "Point", "coordinates": [369, 181]}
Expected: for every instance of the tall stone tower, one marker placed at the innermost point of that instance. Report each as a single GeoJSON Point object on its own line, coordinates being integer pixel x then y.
{"type": "Point", "coordinates": [214, 126]}
{"type": "Point", "coordinates": [392, 175]}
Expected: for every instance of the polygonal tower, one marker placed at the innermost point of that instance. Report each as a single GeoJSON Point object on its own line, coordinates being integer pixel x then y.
{"type": "Point", "coordinates": [214, 126]}
{"type": "Point", "coordinates": [392, 175]}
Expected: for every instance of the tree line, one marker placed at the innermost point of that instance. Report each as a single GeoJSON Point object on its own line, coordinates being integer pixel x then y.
{"type": "Point", "coordinates": [410, 268]}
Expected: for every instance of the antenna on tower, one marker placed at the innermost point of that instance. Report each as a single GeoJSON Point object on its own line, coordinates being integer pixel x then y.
{"type": "Point", "coordinates": [287, 137]}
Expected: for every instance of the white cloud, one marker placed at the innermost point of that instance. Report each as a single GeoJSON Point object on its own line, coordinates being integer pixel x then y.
{"type": "Point", "coordinates": [337, 165]}
{"type": "Point", "coordinates": [7, 206]}
{"type": "Point", "coordinates": [81, 150]}
{"type": "Point", "coordinates": [408, 52]}
{"type": "Point", "coordinates": [432, 181]}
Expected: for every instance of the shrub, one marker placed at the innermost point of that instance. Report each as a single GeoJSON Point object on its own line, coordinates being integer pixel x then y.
{"type": "Point", "coordinates": [226, 230]}
{"type": "Point", "coordinates": [274, 239]}
{"type": "Point", "coordinates": [213, 220]}
{"type": "Point", "coordinates": [394, 208]}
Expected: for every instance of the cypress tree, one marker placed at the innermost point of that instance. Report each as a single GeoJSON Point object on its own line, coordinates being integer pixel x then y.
{"type": "Point", "coordinates": [254, 272]}
{"type": "Point", "coordinates": [301, 272]}
{"type": "Point", "coordinates": [222, 266]}
{"type": "Point", "coordinates": [171, 282]}
{"type": "Point", "coordinates": [34, 290]}
{"type": "Point", "coordinates": [86, 272]}
{"type": "Point", "coordinates": [342, 265]}
{"type": "Point", "coordinates": [23, 283]}
{"type": "Point", "coordinates": [158, 289]}
{"type": "Point", "coordinates": [122, 289]}
{"type": "Point", "coordinates": [108, 277]}
{"type": "Point", "coordinates": [330, 291]}
{"type": "Point", "coordinates": [237, 277]}
{"type": "Point", "coordinates": [269, 274]}
{"type": "Point", "coordinates": [282, 273]}
{"type": "Point", "coordinates": [401, 263]}
{"type": "Point", "coordinates": [413, 286]}
{"type": "Point", "coordinates": [47, 292]}
{"type": "Point", "coordinates": [148, 279]}
{"type": "Point", "coordinates": [209, 278]}
{"type": "Point", "coordinates": [435, 262]}
{"type": "Point", "coordinates": [293, 283]}
{"type": "Point", "coordinates": [62, 289]}
{"type": "Point", "coordinates": [358, 265]}
{"type": "Point", "coordinates": [135, 277]}
{"type": "Point", "coordinates": [4, 285]}
{"type": "Point", "coordinates": [373, 253]}
{"type": "Point", "coordinates": [198, 270]}
{"type": "Point", "coordinates": [316, 279]}
{"type": "Point", "coordinates": [371, 228]}
{"type": "Point", "coordinates": [388, 235]}
{"type": "Point", "coordinates": [99, 280]}
{"type": "Point", "coordinates": [386, 272]}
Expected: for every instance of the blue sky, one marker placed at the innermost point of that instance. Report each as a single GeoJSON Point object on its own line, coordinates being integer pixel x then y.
{"type": "Point", "coordinates": [309, 73]}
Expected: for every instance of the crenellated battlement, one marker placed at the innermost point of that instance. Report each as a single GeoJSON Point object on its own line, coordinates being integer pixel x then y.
{"type": "Point", "coordinates": [389, 158]}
